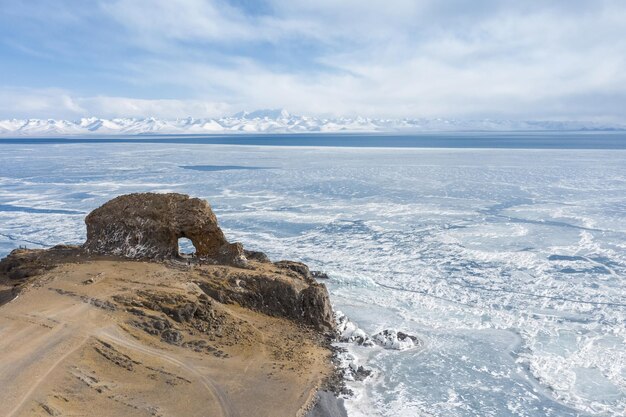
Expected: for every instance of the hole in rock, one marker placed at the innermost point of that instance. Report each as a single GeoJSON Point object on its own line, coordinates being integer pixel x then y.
{"type": "Point", "coordinates": [186, 247]}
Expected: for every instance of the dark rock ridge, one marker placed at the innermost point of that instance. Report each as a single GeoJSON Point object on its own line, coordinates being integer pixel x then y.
{"type": "Point", "coordinates": [148, 226]}
{"type": "Point", "coordinates": [22, 264]}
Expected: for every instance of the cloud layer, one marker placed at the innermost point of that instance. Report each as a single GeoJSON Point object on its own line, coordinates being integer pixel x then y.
{"type": "Point", "coordinates": [402, 58]}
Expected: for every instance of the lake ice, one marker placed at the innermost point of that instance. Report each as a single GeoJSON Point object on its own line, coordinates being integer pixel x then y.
{"type": "Point", "coordinates": [509, 265]}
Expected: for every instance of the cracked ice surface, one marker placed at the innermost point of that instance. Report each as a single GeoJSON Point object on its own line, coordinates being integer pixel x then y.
{"type": "Point", "coordinates": [509, 265]}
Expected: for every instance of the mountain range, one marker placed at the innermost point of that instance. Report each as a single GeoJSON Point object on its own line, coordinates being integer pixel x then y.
{"type": "Point", "coordinates": [276, 121]}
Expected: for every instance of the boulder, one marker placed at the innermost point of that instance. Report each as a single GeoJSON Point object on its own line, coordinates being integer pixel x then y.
{"type": "Point", "coordinates": [148, 226]}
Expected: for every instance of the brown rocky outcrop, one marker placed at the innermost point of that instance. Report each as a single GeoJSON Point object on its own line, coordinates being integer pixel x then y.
{"type": "Point", "coordinates": [148, 226]}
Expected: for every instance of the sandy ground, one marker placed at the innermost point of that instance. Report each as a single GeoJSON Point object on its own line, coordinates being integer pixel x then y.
{"type": "Point", "coordinates": [70, 347]}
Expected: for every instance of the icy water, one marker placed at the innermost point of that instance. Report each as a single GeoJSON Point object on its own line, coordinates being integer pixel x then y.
{"type": "Point", "coordinates": [509, 264]}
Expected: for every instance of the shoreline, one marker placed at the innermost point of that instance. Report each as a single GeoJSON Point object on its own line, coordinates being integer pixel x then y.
{"type": "Point", "coordinates": [327, 405]}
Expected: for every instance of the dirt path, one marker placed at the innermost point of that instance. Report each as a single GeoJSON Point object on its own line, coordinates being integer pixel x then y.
{"type": "Point", "coordinates": [113, 334]}
{"type": "Point", "coordinates": [42, 378]}
{"type": "Point", "coordinates": [35, 349]}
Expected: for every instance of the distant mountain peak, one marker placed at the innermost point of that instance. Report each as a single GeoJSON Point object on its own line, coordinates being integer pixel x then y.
{"type": "Point", "coordinates": [277, 121]}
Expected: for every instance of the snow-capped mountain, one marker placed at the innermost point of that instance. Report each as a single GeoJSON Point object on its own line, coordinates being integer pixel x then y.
{"type": "Point", "coordinates": [274, 121]}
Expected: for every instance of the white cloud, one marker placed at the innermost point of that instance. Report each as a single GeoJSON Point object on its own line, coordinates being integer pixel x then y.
{"type": "Point", "coordinates": [489, 58]}
{"type": "Point", "coordinates": [178, 20]}
{"type": "Point", "coordinates": [54, 103]}
{"type": "Point", "coordinates": [163, 108]}
{"type": "Point", "coordinates": [30, 103]}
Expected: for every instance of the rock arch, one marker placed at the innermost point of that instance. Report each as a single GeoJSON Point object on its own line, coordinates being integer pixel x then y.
{"type": "Point", "coordinates": [148, 225]}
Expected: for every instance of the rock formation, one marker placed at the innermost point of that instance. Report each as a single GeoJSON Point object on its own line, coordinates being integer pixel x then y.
{"type": "Point", "coordinates": [98, 318]}
{"type": "Point", "coordinates": [148, 226]}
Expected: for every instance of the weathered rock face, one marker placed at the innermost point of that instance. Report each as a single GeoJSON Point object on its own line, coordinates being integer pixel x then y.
{"type": "Point", "coordinates": [279, 296]}
{"type": "Point", "coordinates": [148, 225]}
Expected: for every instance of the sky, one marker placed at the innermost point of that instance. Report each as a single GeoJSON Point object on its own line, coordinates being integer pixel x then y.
{"type": "Point", "coordinates": [500, 59]}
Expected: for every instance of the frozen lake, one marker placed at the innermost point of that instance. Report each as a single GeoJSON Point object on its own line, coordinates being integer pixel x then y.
{"type": "Point", "coordinates": [509, 264]}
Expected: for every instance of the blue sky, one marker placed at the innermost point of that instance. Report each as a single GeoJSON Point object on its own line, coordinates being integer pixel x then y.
{"type": "Point", "coordinates": [534, 59]}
